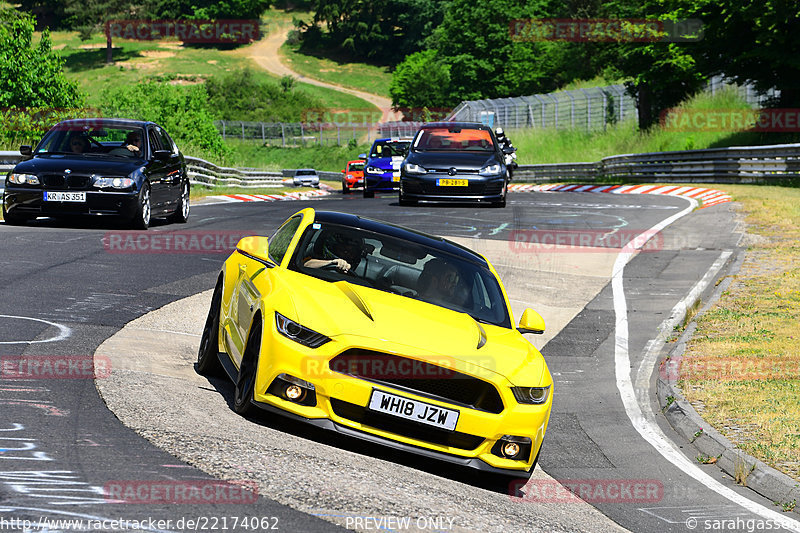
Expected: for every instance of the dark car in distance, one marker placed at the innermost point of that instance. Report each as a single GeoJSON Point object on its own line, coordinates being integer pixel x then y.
{"type": "Point", "coordinates": [125, 168]}
{"type": "Point", "coordinates": [454, 161]}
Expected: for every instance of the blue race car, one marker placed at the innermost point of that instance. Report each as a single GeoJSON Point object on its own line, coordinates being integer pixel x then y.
{"type": "Point", "coordinates": [382, 170]}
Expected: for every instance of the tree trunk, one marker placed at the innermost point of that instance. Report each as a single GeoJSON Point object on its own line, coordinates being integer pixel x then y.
{"type": "Point", "coordinates": [109, 49]}
{"type": "Point", "coordinates": [643, 105]}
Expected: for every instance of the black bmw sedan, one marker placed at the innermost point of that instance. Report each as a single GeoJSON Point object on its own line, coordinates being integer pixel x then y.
{"type": "Point", "coordinates": [454, 161]}
{"type": "Point", "coordinates": [125, 168]}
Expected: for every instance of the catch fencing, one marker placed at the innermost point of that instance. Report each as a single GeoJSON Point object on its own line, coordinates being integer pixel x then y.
{"type": "Point", "coordinates": [587, 109]}
{"type": "Point", "coordinates": [590, 109]}
{"type": "Point", "coordinates": [296, 134]}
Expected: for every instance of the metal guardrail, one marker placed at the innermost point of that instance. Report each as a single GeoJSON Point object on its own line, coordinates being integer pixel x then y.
{"type": "Point", "coordinates": [202, 172]}
{"type": "Point", "coordinates": [740, 164]}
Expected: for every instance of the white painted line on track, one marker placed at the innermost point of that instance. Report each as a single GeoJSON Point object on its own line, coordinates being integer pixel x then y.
{"type": "Point", "coordinates": [644, 425]}
{"type": "Point", "coordinates": [63, 331]}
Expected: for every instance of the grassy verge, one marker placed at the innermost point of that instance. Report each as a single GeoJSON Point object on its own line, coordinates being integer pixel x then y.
{"type": "Point", "coordinates": [338, 70]}
{"type": "Point", "coordinates": [567, 146]}
{"type": "Point", "coordinates": [742, 371]}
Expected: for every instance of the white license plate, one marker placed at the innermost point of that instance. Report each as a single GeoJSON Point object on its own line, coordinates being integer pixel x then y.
{"type": "Point", "coordinates": [60, 196]}
{"type": "Point", "coordinates": [422, 412]}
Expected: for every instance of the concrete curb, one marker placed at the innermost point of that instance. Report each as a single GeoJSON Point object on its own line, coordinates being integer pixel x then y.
{"type": "Point", "coordinates": [709, 443]}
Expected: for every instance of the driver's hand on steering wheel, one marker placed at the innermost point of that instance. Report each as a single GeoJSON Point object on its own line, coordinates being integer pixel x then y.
{"type": "Point", "coordinates": [340, 264]}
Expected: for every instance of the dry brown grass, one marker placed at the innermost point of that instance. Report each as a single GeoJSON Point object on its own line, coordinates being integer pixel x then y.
{"type": "Point", "coordinates": [742, 366]}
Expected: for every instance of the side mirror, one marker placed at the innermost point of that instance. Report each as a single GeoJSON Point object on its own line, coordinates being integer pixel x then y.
{"type": "Point", "coordinates": [255, 247]}
{"type": "Point", "coordinates": [362, 156]}
{"type": "Point", "coordinates": [531, 322]}
{"type": "Point", "coordinates": [25, 150]}
{"type": "Point", "coordinates": [162, 155]}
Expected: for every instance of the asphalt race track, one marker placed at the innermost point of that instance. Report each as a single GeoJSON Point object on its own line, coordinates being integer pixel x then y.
{"type": "Point", "coordinates": [67, 289]}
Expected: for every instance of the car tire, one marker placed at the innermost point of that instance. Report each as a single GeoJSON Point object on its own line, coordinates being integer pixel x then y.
{"type": "Point", "coordinates": [502, 202]}
{"type": "Point", "coordinates": [13, 220]}
{"type": "Point", "coordinates": [404, 202]}
{"type": "Point", "coordinates": [246, 380]}
{"type": "Point", "coordinates": [369, 194]}
{"type": "Point", "coordinates": [345, 188]}
{"type": "Point", "coordinates": [181, 214]}
{"type": "Point", "coordinates": [141, 220]}
{"type": "Point", "coordinates": [208, 363]}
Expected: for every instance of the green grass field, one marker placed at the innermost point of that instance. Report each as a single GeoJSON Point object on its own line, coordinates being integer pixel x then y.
{"type": "Point", "coordinates": [138, 60]}
{"type": "Point", "coordinates": [337, 70]}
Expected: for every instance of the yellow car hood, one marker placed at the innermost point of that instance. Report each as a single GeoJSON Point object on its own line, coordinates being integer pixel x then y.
{"type": "Point", "coordinates": [399, 324]}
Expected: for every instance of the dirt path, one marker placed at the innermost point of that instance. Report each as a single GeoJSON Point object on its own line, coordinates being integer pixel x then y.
{"type": "Point", "coordinates": [265, 53]}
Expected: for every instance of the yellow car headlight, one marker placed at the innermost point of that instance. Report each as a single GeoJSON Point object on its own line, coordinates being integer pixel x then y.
{"type": "Point", "coordinates": [531, 395]}
{"type": "Point", "coordinates": [292, 330]}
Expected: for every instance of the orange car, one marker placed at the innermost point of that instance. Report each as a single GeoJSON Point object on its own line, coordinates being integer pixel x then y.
{"type": "Point", "coordinates": [353, 175]}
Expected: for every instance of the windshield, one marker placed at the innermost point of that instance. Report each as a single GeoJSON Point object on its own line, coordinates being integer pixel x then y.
{"type": "Point", "coordinates": [401, 267]}
{"type": "Point", "coordinates": [454, 139]}
{"type": "Point", "coordinates": [355, 167]}
{"type": "Point", "coordinates": [93, 140]}
{"type": "Point", "coordinates": [390, 149]}
{"type": "Point", "coordinates": [306, 173]}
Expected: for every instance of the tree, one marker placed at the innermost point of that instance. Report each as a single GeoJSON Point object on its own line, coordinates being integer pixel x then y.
{"type": "Point", "coordinates": [32, 74]}
{"type": "Point", "coordinates": [421, 80]}
{"type": "Point", "coordinates": [752, 41]}
{"type": "Point", "coordinates": [207, 9]}
{"type": "Point", "coordinates": [382, 31]}
{"type": "Point", "coordinates": [91, 16]}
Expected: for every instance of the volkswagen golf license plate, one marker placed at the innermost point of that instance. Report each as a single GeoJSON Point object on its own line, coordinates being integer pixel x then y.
{"type": "Point", "coordinates": [61, 196]}
{"type": "Point", "coordinates": [447, 182]}
{"type": "Point", "coordinates": [422, 412]}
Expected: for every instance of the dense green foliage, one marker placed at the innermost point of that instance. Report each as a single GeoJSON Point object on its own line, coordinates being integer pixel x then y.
{"type": "Point", "coordinates": [207, 9]}
{"type": "Point", "coordinates": [240, 96]}
{"type": "Point", "coordinates": [34, 94]}
{"type": "Point", "coordinates": [384, 31]}
{"type": "Point", "coordinates": [183, 110]}
{"type": "Point", "coordinates": [471, 53]}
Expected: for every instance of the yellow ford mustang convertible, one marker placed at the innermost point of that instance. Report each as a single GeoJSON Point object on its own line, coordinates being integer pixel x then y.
{"type": "Point", "coordinates": [381, 333]}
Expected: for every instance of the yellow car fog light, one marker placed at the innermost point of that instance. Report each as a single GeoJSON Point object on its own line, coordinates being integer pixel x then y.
{"type": "Point", "coordinates": [294, 393]}
{"type": "Point", "coordinates": [510, 449]}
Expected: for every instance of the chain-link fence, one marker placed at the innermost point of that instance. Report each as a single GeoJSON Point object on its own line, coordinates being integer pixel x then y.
{"type": "Point", "coordinates": [747, 92]}
{"type": "Point", "coordinates": [293, 134]}
{"type": "Point", "coordinates": [588, 109]}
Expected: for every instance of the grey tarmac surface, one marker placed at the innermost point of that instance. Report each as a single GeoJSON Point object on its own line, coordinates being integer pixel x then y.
{"type": "Point", "coordinates": [96, 292]}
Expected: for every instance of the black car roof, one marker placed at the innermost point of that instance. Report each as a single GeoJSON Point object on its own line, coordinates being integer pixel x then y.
{"type": "Point", "coordinates": [110, 121]}
{"type": "Point", "coordinates": [400, 232]}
